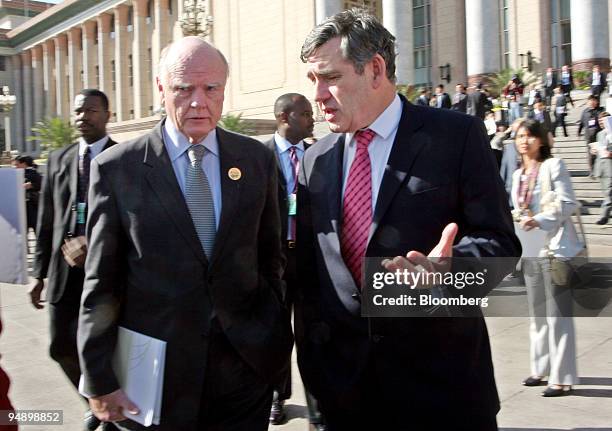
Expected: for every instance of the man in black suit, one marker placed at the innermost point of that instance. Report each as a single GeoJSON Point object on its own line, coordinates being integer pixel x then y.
{"type": "Point", "coordinates": [389, 180]}
{"type": "Point", "coordinates": [185, 246]}
{"type": "Point", "coordinates": [60, 243]}
{"type": "Point", "coordinates": [442, 99]}
{"type": "Point", "coordinates": [459, 99]}
{"type": "Point", "coordinates": [549, 83]}
{"type": "Point", "coordinates": [423, 99]}
{"type": "Point", "coordinates": [294, 123]}
{"type": "Point", "coordinates": [597, 81]}
{"type": "Point", "coordinates": [476, 102]}
{"type": "Point", "coordinates": [541, 115]}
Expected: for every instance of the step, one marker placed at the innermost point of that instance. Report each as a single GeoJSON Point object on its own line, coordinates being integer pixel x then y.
{"type": "Point", "coordinates": [588, 194]}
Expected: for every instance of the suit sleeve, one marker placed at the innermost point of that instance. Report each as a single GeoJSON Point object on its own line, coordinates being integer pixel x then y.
{"type": "Point", "coordinates": [44, 226]}
{"type": "Point", "coordinates": [97, 333]}
{"type": "Point", "coordinates": [486, 228]}
{"type": "Point", "coordinates": [271, 257]}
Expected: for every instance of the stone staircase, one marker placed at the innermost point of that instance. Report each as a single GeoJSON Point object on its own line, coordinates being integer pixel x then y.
{"type": "Point", "coordinates": [588, 191]}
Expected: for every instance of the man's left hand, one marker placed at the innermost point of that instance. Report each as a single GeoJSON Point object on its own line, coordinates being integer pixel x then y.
{"type": "Point", "coordinates": [528, 223]}
{"type": "Point", "coordinates": [438, 259]}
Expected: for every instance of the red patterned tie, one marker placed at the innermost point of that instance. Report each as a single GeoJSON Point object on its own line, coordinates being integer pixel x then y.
{"type": "Point", "coordinates": [357, 207]}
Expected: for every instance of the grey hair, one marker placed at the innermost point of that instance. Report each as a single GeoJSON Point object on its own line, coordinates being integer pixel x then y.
{"type": "Point", "coordinates": [163, 67]}
{"type": "Point", "coordinates": [362, 37]}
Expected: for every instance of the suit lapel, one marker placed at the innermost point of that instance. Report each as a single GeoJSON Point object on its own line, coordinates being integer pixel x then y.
{"type": "Point", "coordinates": [71, 169]}
{"type": "Point", "coordinates": [406, 147]}
{"type": "Point", "coordinates": [334, 195]}
{"type": "Point", "coordinates": [229, 155]}
{"type": "Point", "coordinates": [163, 181]}
{"type": "Point", "coordinates": [271, 144]}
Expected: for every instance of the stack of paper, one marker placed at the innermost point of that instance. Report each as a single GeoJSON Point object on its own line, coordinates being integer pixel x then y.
{"type": "Point", "coordinates": [138, 363]}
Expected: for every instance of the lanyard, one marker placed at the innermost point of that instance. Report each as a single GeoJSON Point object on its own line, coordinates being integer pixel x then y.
{"type": "Point", "coordinates": [527, 186]}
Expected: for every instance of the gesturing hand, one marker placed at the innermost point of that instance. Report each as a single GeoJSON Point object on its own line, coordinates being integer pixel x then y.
{"type": "Point", "coordinates": [438, 259]}
{"type": "Point", "coordinates": [110, 407]}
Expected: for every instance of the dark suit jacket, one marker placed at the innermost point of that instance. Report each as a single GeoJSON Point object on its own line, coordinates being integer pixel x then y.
{"type": "Point", "coordinates": [440, 170]}
{"type": "Point", "coordinates": [282, 187]}
{"type": "Point", "coordinates": [57, 218]}
{"type": "Point", "coordinates": [460, 102]}
{"type": "Point", "coordinates": [446, 101]}
{"type": "Point", "coordinates": [547, 121]}
{"type": "Point", "coordinates": [549, 89]}
{"type": "Point", "coordinates": [146, 269]}
{"type": "Point", "coordinates": [602, 79]}
{"type": "Point", "coordinates": [476, 104]}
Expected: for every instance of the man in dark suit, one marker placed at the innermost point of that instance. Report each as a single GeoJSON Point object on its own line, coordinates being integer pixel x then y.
{"type": "Point", "coordinates": [589, 123]}
{"type": "Point", "coordinates": [549, 83]}
{"type": "Point", "coordinates": [423, 99]}
{"type": "Point", "coordinates": [442, 99]}
{"type": "Point", "coordinates": [185, 247]}
{"type": "Point", "coordinates": [476, 102]}
{"type": "Point", "coordinates": [294, 123]}
{"type": "Point", "coordinates": [389, 180]}
{"type": "Point", "coordinates": [566, 80]}
{"type": "Point", "coordinates": [597, 81]}
{"type": "Point", "coordinates": [459, 99]}
{"type": "Point", "coordinates": [61, 223]}
{"type": "Point", "coordinates": [541, 115]}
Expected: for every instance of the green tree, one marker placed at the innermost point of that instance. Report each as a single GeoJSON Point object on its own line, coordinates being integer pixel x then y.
{"type": "Point", "coordinates": [53, 133]}
{"type": "Point", "coordinates": [501, 79]}
{"type": "Point", "coordinates": [410, 92]}
{"type": "Point", "coordinates": [235, 123]}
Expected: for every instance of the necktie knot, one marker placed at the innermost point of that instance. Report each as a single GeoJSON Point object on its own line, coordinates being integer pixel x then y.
{"type": "Point", "coordinates": [196, 153]}
{"type": "Point", "coordinates": [364, 137]}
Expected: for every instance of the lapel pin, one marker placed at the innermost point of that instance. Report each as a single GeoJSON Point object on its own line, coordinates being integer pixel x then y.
{"type": "Point", "coordinates": [234, 174]}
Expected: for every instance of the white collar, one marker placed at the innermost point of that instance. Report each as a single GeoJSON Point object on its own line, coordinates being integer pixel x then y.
{"type": "Point", "coordinates": [387, 121]}
{"type": "Point", "coordinates": [283, 144]}
{"type": "Point", "coordinates": [96, 148]}
{"type": "Point", "coordinates": [179, 143]}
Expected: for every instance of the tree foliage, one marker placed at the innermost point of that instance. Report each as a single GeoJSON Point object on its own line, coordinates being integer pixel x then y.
{"type": "Point", "coordinates": [235, 123]}
{"type": "Point", "coordinates": [53, 133]}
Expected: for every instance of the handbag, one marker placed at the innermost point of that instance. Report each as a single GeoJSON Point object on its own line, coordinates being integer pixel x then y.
{"type": "Point", "coordinates": [580, 273]}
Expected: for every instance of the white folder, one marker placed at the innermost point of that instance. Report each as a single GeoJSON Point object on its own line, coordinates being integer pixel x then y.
{"type": "Point", "coordinates": [138, 363]}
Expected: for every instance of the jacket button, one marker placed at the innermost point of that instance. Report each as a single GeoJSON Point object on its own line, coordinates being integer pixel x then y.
{"type": "Point", "coordinates": [355, 296]}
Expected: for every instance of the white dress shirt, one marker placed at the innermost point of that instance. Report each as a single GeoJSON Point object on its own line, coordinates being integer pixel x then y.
{"type": "Point", "coordinates": [94, 149]}
{"type": "Point", "coordinates": [385, 128]}
{"type": "Point", "coordinates": [177, 145]}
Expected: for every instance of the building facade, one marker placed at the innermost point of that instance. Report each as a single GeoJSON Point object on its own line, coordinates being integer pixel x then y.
{"type": "Point", "coordinates": [115, 45]}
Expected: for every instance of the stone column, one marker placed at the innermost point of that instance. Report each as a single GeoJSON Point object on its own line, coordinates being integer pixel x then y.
{"type": "Point", "coordinates": [104, 57]}
{"type": "Point", "coordinates": [74, 64]}
{"type": "Point", "coordinates": [161, 38]}
{"type": "Point", "coordinates": [397, 18]}
{"type": "Point", "coordinates": [483, 53]}
{"type": "Point", "coordinates": [61, 81]}
{"type": "Point", "coordinates": [88, 31]}
{"type": "Point", "coordinates": [141, 84]}
{"type": "Point", "coordinates": [177, 31]}
{"type": "Point", "coordinates": [121, 63]}
{"type": "Point", "coordinates": [17, 132]}
{"type": "Point", "coordinates": [28, 103]}
{"type": "Point", "coordinates": [327, 8]}
{"type": "Point", "coordinates": [48, 80]}
{"type": "Point", "coordinates": [590, 35]}
{"type": "Point", "coordinates": [38, 78]}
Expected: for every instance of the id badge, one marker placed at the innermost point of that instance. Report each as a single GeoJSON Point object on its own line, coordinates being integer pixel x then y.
{"type": "Point", "coordinates": [292, 204]}
{"type": "Point", "coordinates": [592, 123]}
{"type": "Point", "coordinates": [81, 212]}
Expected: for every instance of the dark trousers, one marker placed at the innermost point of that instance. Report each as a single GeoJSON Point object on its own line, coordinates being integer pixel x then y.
{"type": "Point", "coordinates": [566, 92]}
{"type": "Point", "coordinates": [560, 121]}
{"type": "Point", "coordinates": [235, 397]}
{"type": "Point", "coordinates": [596, 90]}
{"type": "Point", "coordinates": [378, 403]}
{"type": "Point", "coordinates": [284, 391]}
{"type": "Point", "coordinates": [64, 316]}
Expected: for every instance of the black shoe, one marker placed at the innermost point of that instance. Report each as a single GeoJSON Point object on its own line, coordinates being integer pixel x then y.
{"type": "Point", "coordinates": [91, 422]}
{"type": "Point", "coordinates": [602, 221]}
{"type": "Point", "coordinates": [533, 381]}
{"type": "Point", "coordinates": [556, 392]}
{"type": "Point", "coordinates": [277, 412]}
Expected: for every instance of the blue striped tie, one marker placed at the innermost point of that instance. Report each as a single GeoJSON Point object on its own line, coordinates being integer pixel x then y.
{"type": "Point", "coordinates": [200, 200]}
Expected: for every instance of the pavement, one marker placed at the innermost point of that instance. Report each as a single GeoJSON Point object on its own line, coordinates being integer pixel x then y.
{"type": "Point", "coordinates": [38, 383]}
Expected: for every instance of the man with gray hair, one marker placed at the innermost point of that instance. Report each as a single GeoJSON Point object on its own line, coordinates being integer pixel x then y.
{"type": "Point", "coordinates": [184, 246]}
{"type": "Point", "coordinates": [401, 181]}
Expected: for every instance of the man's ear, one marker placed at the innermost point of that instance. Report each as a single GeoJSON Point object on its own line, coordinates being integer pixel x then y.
{"type": "Point", "coordinates": [379, 70]}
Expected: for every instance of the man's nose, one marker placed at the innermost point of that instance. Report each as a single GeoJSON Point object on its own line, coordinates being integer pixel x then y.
{"type": "Point", "coordinates": [198, 98]}
{"type": "Point", "coordinates": [321, 91]}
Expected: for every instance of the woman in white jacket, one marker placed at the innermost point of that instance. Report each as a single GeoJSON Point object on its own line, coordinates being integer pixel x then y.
{"type": "Point", "coordinates": [544, 199]}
